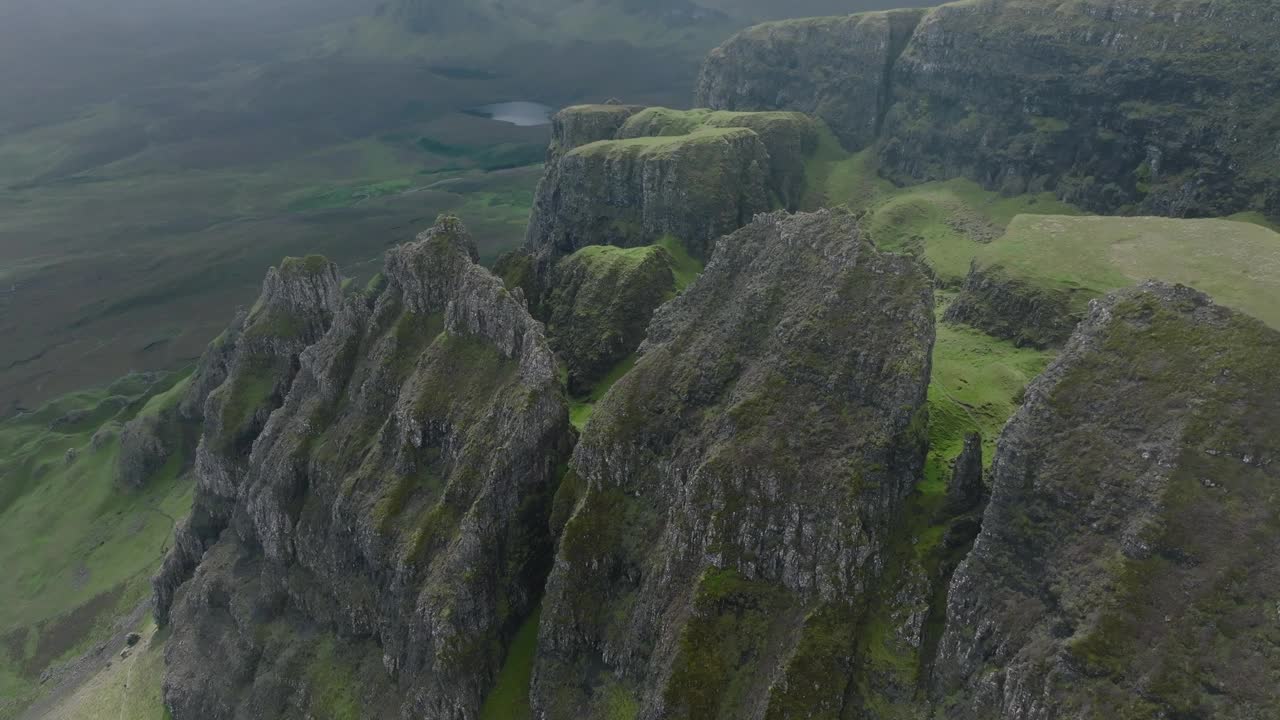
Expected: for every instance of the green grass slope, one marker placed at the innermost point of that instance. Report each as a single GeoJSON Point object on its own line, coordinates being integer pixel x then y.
{"type": "Point", "coordinates": [946, 222]}
{"type": "Point", "coordinates": [78, 549]}
{"type": "Point", "coordinates": [130, 688]}
{"type": "Point", "coordinates": [1237, 263]}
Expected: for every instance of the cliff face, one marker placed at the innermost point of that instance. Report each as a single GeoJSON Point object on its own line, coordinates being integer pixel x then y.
{"type": "Point", "coordinates": [1125, 566]}
{"type": "Point", "coordinates": [614, 177]}
{"type": "Point", "coordinates": [838, 69]}
{"type": "Point", "coordinates": [370, 524]}
{"type": "Point", "coordinates": [1149, 106]}
{"type": "Point", "coordinates": [726, 506]}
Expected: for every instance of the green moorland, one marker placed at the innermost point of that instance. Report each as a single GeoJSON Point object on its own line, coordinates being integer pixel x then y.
{"type": "Point", "coordinates": [149, 177]}
{"type": "Point", "coordinates": [1237, 263]}
{"type": "Point", "coordinates": [78, 548]}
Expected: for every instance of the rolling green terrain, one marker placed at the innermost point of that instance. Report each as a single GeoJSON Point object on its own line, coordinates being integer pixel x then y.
{"type": "Point", "coordinates": [955, 223]}
{"type": "Point", "coordinates": [1237, 263]}
{"type": "Point", "coordinates": [78, 548]}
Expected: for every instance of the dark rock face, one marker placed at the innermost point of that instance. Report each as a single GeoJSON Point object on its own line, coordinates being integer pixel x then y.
{"type": "Point", "coordinates": [1015, 309]}
{"type": "Point", "coordinates": [727, 504]}
{"type": "Point", "coordinates": [370, 525]}
{"type": "Point", "coordinates": [693, 175]}
{"type": "Point", "coordinates": [601, 305]}
{"type": "Point", "coordinates": [838, 69]}
{"type": "Point", "coordinates": [1126, 564]}
{"type": "Point", "coordinates": [964, 492]}
{"type": "Point", "coordinates": [1145, 106]}
{"type": "Point", "coordinates": [257, 358]}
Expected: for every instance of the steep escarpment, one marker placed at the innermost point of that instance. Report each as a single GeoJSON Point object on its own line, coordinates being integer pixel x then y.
{"type": "Point", "coordinates": [839, 69]}
{"type": "Point", "coordinates": [1125, 566]}
{"type": "Point", "coordinates": [256, 359]}
{"type": "Point", "coordinates": [692, 175]}
{"type": "Point", "coordinates": [1149, 106]}
{"type": "Point", "coordinates": [370, 525]}
{"type": "Point", "coordinates": [726, 508]}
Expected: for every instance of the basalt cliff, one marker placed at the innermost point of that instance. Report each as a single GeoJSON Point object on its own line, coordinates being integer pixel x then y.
{"type": "Point", "coordinates": [1147, 106]}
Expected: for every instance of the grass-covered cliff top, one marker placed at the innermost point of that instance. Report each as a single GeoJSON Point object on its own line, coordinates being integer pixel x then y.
{"type": "Point", "coordinates": [683, 267]}
{"type": "Point", "coordinates": [660, 129]}
{"type": "Point", "coordinates": [608, 257]}
{"type": "Point", "coordinates": [309, 265]}
{"type": "Point", "coordinates": [656, 121]}
{"type": "Point", "coordinates": [1237, 263]}
{"type": "Point", "coordinates": [663, 145]}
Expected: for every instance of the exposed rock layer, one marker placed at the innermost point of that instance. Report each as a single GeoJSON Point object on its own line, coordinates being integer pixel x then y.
{"type": "Point", "coordinates": [1023, 311]}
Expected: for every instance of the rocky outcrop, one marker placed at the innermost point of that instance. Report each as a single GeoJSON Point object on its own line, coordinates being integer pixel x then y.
{"type": "Point", "coordinates": [601, 305]}
{"type": "Point", "coordinates": [790, 138]}
{"type": "Point", "coordinates": [1023, 311]}
{"type": "Point", "coordinates": [370, 526]}
{"type": "Point", "coordinates": [693, 175]}
{"type": "Point", "coordinates": [1144, 106]}
{"type": "Point", "coordinates": [730, 498]}
{"type": "Point", "coordinates": [1126, 564]}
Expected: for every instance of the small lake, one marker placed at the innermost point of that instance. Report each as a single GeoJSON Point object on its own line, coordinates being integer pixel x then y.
{"type": "Point", "coordinates": [521, 112]}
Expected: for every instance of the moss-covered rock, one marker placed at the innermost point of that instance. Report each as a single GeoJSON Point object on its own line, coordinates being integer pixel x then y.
{"type": "Point", "coordinates": [372, 546]}
{"type": "Point", "coordinates": [601, 305]}
{"type": "Point", "coordinates": [733, 491]}
{"type": "Point", "coordinates": [1125, 566]}
{"type": "Point", "coordinates": [1150, 105]}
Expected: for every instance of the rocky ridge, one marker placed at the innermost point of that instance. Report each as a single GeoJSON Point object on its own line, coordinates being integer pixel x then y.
{"type": "Point", "coordinates": [1123, 568]}
{"type": "Point", "coordinates": [370, 524]}
{"type": "Point", "coordinates": [726, 505]}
